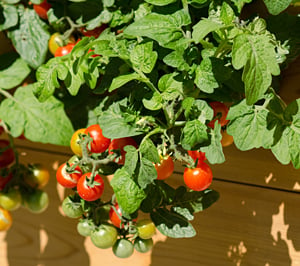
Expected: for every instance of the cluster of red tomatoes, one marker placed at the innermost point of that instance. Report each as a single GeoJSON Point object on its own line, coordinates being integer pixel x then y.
{"type": "Point", "coordinates": [60, 45]}
{"type": "Point", "coordinates": [20, 185]}
{"type": "Point", "coordinates": [103, 222]}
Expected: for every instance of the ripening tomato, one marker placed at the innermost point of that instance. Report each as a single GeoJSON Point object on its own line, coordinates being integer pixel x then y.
{"type": "Point", "coordinates": [227, 139]}
{"type": "Point", "coordinates": [165, 167]}
{"type": "Point", "coordinates": [113, 216]}
{"type": "Point", "coordinates": [39, 176]}
{"type": "Point", "coordinates": [56, 40]}
{"type": "Point", "coordinates": [198, 178]}
{"type": "Point", "coordinates": [5, 219]}
{"type": "Point", "coordinates": [94, 32]}
{"type": "Point", "coordinates": [75, 141]}
{"type": "Point", "coordinates": [220, 114]}
{"type": "Point", "coordinates": [197, 155]}
{"type": "Point", "coordinates": [7, 156]}
{"type": "Point", "coordinates": [11, 200]}
{"type": "Point", "coordinates": [64, 50]}
{"type": "Point", "coordinates": [146, 228]}
{"type": "Point", "coordinates": [87, 191]}
{"type": "Point", "coordinates": [42, 9]}
{"type": "Point", "coordinates": [118, 145]}
{"type": "Point", "coordinates": [4, 179]}
{"type": "Point", "coordinates": [68, 180]}
{"type": "Point", "coordinates": [99, 143]}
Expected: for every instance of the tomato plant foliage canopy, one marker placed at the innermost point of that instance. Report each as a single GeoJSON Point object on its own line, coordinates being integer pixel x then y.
{"type": "Point", "coordinates": [150, 74]}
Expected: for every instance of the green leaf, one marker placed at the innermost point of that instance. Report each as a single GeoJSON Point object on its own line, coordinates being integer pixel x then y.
{"type": "Point", "coordinates": [149, 151]}
{"type": "Point", "coordinates": [172, 224]}
{"type": "Point", "coordinates": [196, 201]}
{"type": "Point", "coordinates": [194, 132]}
{"type": "Point", "coordinates": [114, 123]}
{"type": "Point", "coordinates": [275, 7]}
{"type": "Point", "coordinates": [171, 86]}
{"type": "Point", "coordinates": [41, 122]}
{"type": "Point", "coordinates": [197, 109]}
{"type": "Point", "coordinates": [205, 78]}
{"type": "Point", "coordinates": [204, 27]}
{"type": "Point", "coordinates": [257, 55]}
{"type": "Point", "coordinates": [153, 199]}
{"type": "Point", "coordinates": [30, 39]}
{"type": "Point", "coordinates": [214, 151]}
{"type": "Point", "coordinates": [131, 159]}
{"type": "Point", "coordinates": [240, 3]}
{"type": "Point", "coordinates": [147, 173]}
{"type": "Point", "coordinates": [292, 112]}
{"type": "Point", "coordinates": [176, 59]}
{"type": "Point", "coordinates": [119, 81]}
{"type": "Point", "coordinates": [8, 16]}
{"type": "Point", "coordinates": [48, 76]}
{"type": "Point", "coordinates": [281, 148]}
{"type": "Point", "coordinates": [143, 57]}
{"type": "Point", "coordinates": [153, 101]}
{"type": "Point", "coordinates": [13, 74]}
{"type": "Point", "coordinates": [129, 195]}
{"type": "Point", "coordinates": [250, 126]}
{"type": "Point", "coordinates": [165, 29]}
{"type": "Point", "coordinates": [160, 2]}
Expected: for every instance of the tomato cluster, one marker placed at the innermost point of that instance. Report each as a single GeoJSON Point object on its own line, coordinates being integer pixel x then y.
{"type": "Point", "coordinates": [104, 222]}
{"type": "Point", "coordinates": [20, 185]}
{"type": "Point", "coordinates": [97, 156]}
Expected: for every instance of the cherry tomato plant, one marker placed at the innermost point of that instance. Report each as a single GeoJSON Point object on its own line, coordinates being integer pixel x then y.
{"type": "Point", "coordinates": [134, 86]}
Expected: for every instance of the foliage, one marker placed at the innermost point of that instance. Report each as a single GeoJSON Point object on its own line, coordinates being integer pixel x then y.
{"type": "Point", "coordinates": [150, 74]}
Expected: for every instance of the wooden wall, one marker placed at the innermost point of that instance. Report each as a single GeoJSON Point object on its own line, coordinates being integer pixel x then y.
{"type": "Point", "coordinates": [255, 222]}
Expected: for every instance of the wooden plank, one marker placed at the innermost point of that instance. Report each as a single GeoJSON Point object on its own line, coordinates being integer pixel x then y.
{"type": "Point", "coordinates": [247, 226]}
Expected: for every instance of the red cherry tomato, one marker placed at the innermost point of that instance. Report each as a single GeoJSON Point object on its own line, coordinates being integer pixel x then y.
{"type": "Point", "coordinates": [118, 145]}
{"type": "Point", "coordinates": [197, 155]}
{"type": "Point", "coordinates": [220, 113]}
{"type": "Point", "coordinates": [94, 32]}
{"type": "Point", "coordinates": [4, 180]}
{"type": "Point", "coordinates": [164, 168]}
{"type": "Point", "coordinates": [8, 155]}
{"type": "Point", "coordinates": [68, 180]}
{"type": "Point", "coordinates": [113, 216]}
{"type": "Point", "coordinates": [99, 143]}
{"type": "Point", "coordinates": [198, 178]}
{"type": "Point", "coordinates": [64, 50]}
{"type": "Point", "coordinates": [90, 192]}
{"type": "Point", "coordinates": [42, 9]}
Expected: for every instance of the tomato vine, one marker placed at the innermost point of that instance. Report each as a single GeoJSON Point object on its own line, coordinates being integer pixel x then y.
{"type": "Point", "coordinates": [134, 86]}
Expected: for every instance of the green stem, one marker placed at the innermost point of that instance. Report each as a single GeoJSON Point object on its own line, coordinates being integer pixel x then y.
{"type": "Point", "coordinates": [8, 95]}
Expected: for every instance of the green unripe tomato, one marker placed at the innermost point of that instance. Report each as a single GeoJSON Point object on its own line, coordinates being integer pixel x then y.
{"type": "Point", "coordinates": [104, 236]}
{"type": "Point", "coordinates": [37, 201]}
{"type": "Point", "coordinates": [85, 227]}
{"type": "Point", "coordinates": [123, 248]}
{"type": "Point", "coordinates": [71, 209]}
{"type": "Point", "coordinates": [143, 245]}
